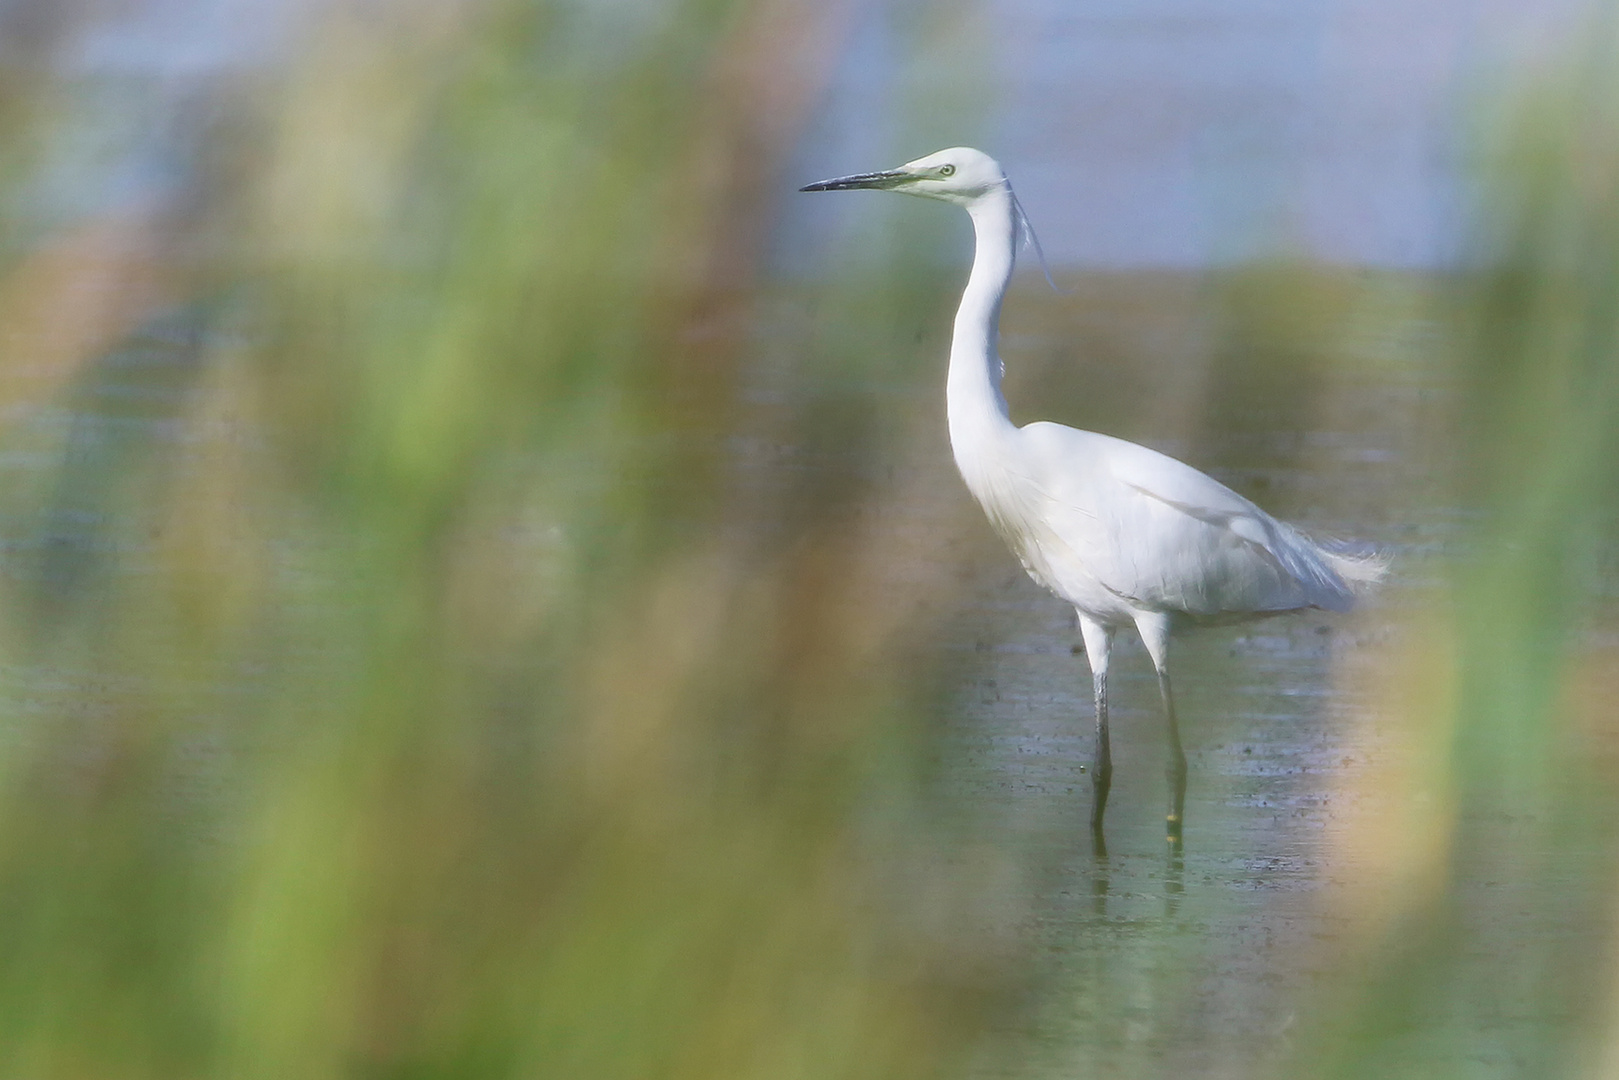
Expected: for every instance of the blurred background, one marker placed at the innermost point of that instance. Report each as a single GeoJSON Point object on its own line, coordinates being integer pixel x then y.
{"type": "Point", "coordinates": [484, 592]}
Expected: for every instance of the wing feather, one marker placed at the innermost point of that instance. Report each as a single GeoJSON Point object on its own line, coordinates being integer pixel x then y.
{"type": "Point", "coordinates": [1166, 535]}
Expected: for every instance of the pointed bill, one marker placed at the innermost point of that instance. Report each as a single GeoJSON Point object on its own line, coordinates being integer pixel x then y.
{"type": "Point", "coordinates": [877, 180]}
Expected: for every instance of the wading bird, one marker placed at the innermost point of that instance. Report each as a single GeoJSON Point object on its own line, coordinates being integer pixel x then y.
{"type": "Point", "coordinates": [1127, 535]}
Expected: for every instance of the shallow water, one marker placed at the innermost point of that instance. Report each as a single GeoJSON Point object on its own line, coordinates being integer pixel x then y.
{"type": "Point", "coordinates": [1313, 813]}
{"type": "Point", "coordinates": [1315, 809]}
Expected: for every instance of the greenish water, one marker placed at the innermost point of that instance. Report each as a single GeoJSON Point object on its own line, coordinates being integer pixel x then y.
{"type": "Point", "coordinates": [1317, 804]}
{"type": "Point", "coordinates": [464, 617]}
{"type": "Point", "coordinates": [1319, 817]}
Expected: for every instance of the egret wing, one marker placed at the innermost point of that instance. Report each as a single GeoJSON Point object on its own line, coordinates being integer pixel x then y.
{"type": "Point", "coordinates": [1156, 530]}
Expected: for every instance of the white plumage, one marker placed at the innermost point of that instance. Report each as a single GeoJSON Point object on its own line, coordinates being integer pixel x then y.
{"type": "Point", "coordinates": [1118, 530]}
{"type": "Point", "coordinates": [1129, 536]}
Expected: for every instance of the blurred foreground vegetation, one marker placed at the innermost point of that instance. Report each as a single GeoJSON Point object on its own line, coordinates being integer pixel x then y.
{"type": "Point", "coordinates": [412, 708]}
{"type": "Point", "coordinates": [415, 670]}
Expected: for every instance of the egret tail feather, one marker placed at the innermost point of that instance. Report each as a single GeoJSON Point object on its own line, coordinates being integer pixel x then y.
{"type": "Point", "coordinates": [1356, 563]}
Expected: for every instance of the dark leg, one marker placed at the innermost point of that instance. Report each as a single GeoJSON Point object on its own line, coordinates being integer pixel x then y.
{"type": "Point", "coordinates": [1154, 627]}
{"type": "Point", "coordinates": [1101, 756]}
{"type": "Point", "coordinates": [1176, 771]}
{"type": "Point", "coordinates": [1098, 644]}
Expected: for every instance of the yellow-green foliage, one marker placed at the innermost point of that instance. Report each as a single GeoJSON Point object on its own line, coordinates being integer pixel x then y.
{"type": "Point", "coordinates": [420, 714]}
{"type": "Point", "coordinates": [1529, 838]}
{"type": "Point", "coordinates": [408, 674]}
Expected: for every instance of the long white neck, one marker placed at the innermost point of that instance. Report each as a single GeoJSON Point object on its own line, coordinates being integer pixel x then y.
{"type": "Point", "coordinates": [978, 416]}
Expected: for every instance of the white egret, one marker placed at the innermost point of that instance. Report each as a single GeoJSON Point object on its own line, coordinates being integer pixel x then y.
{"type": "Point", "coordinates": [1127, 535]}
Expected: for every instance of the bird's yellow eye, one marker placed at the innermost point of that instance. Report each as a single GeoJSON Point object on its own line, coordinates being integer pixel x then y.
{"type": "Point", "coordinates": [947, 170]}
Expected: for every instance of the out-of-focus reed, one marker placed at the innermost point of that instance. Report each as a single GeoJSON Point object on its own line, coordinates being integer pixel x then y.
{"type": "Point", "coordinates": [1507, 897]}
{"type": "Point", "coordinates": [412, 673]}
{"type": "Point", "coordinates": [407, 699]}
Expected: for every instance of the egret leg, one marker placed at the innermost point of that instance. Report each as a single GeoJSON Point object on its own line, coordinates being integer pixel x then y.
{"type": "Point", "coordinates": [1098, 645]}
{"type": "Point", "coordinates": [1101, 763]}
{"type": "Point", "coordinates": [1175, 773]}
{"type": "Point", "coordinates": [1154, 628]}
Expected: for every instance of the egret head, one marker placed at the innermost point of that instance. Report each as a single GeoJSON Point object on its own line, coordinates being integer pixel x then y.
{"type": "Point", "coordinates": [960, 175]}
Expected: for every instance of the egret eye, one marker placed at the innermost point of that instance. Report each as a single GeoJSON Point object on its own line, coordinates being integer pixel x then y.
{"type": "Point", "coordinates": [947, 170]}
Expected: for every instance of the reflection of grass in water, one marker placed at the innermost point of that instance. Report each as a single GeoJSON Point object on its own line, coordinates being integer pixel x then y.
{"type": "Point", "coordinates": [518, 759]}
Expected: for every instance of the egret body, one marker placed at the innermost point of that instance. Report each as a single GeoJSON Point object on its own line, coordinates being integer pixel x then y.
{"type": "Point", "coordinates": [1127, 535]}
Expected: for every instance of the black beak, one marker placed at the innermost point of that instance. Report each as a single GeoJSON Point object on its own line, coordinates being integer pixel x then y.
{"type": "Point", "coordinates": [878, 180]}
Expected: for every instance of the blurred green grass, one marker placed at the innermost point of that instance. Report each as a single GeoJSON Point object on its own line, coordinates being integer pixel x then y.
{"type": "Point", "coordinates": [418, 683]}
{"type": "Point", "coordinates": [1515, 655]}
{"type": "Point", "coordinates": [455, 732]}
